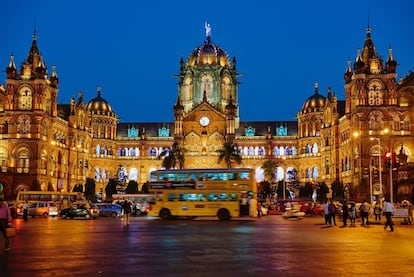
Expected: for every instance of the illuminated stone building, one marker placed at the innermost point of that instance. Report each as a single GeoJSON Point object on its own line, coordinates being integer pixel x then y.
{"type": "Point", "coordinates": [50, 146]}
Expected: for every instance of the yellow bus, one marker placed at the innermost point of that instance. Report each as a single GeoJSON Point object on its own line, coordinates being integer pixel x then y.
{"type": "Point", "coordinates": [220, 192]}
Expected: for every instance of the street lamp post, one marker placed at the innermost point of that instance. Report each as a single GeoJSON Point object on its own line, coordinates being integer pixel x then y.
{"type": "Point", "coordinates": [379, 167]}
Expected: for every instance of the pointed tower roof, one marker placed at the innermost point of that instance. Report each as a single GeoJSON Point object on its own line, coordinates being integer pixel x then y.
{"type": "Point", "coordinates": [391, 65]}
{"type": "Point", "coordinates": [11, 70]}
{"type": "Point", "coordinates": [369, 51]}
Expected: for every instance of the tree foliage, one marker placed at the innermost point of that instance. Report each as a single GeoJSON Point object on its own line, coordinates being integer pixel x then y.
{"type": "Point", "coordinates": [110, 188]}
{"type": "Point", "coordinates": [230, 154]}
{"type": "Point", "coordinates": [90, 193]}
{"type": "Point", "coordinates": [145, 187]}
{"type": "Point", "coordinates": [132, 187]}
{"type": "Point", "coordinates": [269, 169]}
{"type": "Point", "coordinates": [173, 156]}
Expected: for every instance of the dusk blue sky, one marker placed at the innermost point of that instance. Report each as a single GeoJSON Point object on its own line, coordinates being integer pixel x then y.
{"type": "Point", "coordinates": [132, 49]}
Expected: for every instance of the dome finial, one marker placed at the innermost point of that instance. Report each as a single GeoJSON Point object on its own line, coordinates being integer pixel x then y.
{"type": "Point", "coordinates": [208, 30]}
{"type": "Point", "coordinates": [316, 87]}
{"type": "Point", "coordinates": [99, 90]}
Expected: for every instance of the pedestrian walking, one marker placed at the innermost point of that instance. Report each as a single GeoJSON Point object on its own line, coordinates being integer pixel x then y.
{"type": "Point", "coordinates": [344, 214]}
{"type": "Point", "coordinates": [377, 211]}
{"type": "Point", "coordinates": [325, 207]}
{"type": "Point", "coordinates": [352, 214]}
{"type": "Point", "coordinates": [332, 212]}
{"type": "Point", "coordinates": [126, 208]}
{"type": "Point", "coordinates": [5, 221]}
{"type": "Point", "coordinates": [389, 210]}
{"type": "Point", "coordinates": [25, 210]}
{"type": "Point", "coordinates": [364, 209]}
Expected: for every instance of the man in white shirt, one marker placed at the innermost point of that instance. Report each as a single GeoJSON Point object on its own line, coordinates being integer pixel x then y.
{"type": "Point", "coordinates": [388, 209]}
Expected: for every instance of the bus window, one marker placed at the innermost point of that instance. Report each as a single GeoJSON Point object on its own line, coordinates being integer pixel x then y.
{"type": "Point", "coordinates": [191, 177]}
{"type": "Point", "coordinates": [192, 197]}
{"type": "Point", "coordinates": [171, 197]}
{"type": "Point", "coordinates": [153, 177]}
{"type": "Point", "coordinates": [222, 196]}
{"type": "Point", "coordinates": [182, 177]}
{"type": "Point", "coordinates": [182, 197]}
{"type": "Point", "coordinates": [244, 176]}
{"type": "Point", "coordinates": [212, 197]}
{"type": "Point", "coordinates": [213, 176]}
{"type": "Point", "coordinates": [232, 197]}
{"type": "Point", "coordinates": [202, 197]}
{"type": "Point", "coordinates": [231, 176]}
{"type": "Point", "coordinates": [202, 177]}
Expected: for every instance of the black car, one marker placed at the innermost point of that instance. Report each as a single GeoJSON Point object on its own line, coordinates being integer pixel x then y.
{"type": "Point", "coordinates": [76, 211]}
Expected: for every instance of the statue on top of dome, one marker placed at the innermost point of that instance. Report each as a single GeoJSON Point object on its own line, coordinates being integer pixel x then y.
{"type": "Point", "coordinates": [208, 29]}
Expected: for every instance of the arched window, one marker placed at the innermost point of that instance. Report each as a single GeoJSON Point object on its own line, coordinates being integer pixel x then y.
{"type": "Point", "coordinates": [276, 151]}
{"type": "Point", "coordinates": [375, 94]}
{"type": "Point", "coordinates": [256, 151]}
{"type": "Point", "coordinates": [375, 120]}
{"type": "Point", "coordinates": [315, 172]}
{"type": "Point", "coordinates": [281, 151]}
{"type": "Point", "coordinates": [315, 148]}
{"type": "Point", "coordinates": [308, 172]}
{"type": "Point", "coordinates": [251, 151]}
{"type": "Point", "coordinates": [259, 175]}
{"type": "Point", "coordinates": [25, 98]}
{"type": "Point", "coordinates": [23, 156]}
{"type": "Point", "coordinates": [406, 124]}
{"type": "Point", "coordinates": [98, 149]}
{"type": "Point", "coordinates": [133, 174]}
{"type": "Point", "coordinates": [280, 173]}
{"type": "Point", "coordinates": [294, 151]}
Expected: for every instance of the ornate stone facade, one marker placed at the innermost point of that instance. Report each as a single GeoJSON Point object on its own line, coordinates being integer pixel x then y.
{"type": "Point", "coordinates": [54, 147]}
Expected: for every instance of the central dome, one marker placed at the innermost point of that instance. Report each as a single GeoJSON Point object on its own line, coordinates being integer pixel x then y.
{"type": "Point", "coordinates": [314, 103]}
{"type": "Point", "coordinates": [208, 53]}
{"type": "Point", "coordinates": [98, 105]}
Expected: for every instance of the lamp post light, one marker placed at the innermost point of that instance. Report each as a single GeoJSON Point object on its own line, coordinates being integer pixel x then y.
{"type": "Point", "coordinates": [379, 167]}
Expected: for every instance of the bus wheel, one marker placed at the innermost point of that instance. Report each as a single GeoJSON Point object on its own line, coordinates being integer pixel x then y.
{"type": "Point", "coordinates": [223, 214]}
{"type": "Point", "coordinates": [114, 215]}
{"type": "Point", "coordinates": [165, 214]}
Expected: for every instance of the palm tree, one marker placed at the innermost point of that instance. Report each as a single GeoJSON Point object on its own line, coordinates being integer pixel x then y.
{"type": "Point", "coordinates": [230, 153]}
{"type": "Point", "coordinates": [173, 156]}
{"type": "Point", "coordinates": [269, 169]}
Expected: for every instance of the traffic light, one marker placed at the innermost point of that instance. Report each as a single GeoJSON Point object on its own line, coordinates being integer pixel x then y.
{"type": "Point", "coordinates": [388, 159]}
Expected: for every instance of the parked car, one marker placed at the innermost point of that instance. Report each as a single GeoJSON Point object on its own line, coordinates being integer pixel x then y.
{"type": "Point", "coordinates": [76, 211]}
{"type": "Point", "coordinates": [43, 208]}
{"type": "Point", "coordinates": [109, 209]}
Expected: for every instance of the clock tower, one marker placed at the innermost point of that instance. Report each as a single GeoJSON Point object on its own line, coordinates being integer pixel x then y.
{"type": "Point", "coordinates": [206, 112]}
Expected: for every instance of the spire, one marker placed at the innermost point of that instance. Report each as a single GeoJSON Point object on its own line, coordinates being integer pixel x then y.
{"type": "Point", "coordinates": [348, 72]}
{"type": "Point", "coordinates": [316, 88]}
{"type": "Point", "coordinates": [369, 51]}
{"type": "Point", "coordinates": [54, 80]}
{"type": "Point", "coordinates": [391, 64]}
{"type": "Point", "coordinates": [11, 70]}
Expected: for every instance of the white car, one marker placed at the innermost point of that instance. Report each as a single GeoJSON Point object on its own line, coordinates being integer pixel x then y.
{"type": "Point", "coordinates": [263, 210]}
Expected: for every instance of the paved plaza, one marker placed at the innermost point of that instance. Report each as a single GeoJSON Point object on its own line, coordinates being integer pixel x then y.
{"type": "Point", "coordinates": [267, 246]}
